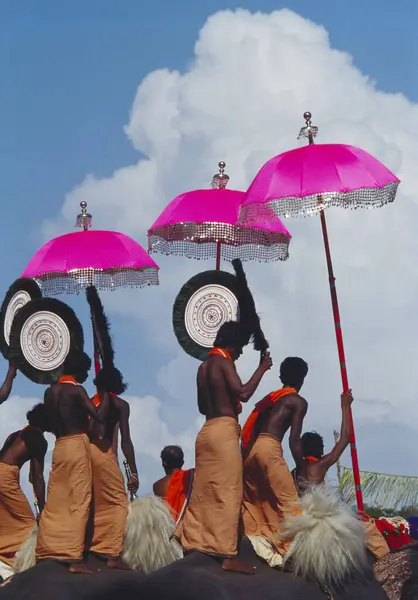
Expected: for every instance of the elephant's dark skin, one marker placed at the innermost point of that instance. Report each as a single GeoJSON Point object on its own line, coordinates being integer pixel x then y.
{"type": "Point", "coordinates": [196, 577]}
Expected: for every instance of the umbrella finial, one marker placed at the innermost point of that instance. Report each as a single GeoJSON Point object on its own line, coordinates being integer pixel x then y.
{"type": "Point", "coordinates": [220, 180]}
{"type": "Point", "coordinates": [84, 218]}
{"type": "Point", "coordinates": [309, 131]}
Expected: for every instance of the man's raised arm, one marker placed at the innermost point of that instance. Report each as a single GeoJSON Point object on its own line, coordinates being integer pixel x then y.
{"type": "Point", "coordinates": [330, 459]}
{"type": "Point", "coordinates": [244, 391]}
{"type": "Point", "coordinates": [6, 388]}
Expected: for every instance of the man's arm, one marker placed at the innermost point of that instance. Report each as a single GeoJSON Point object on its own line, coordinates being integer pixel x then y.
{"type": "Point", "coordinates": [99, 413]}
{"type": "Point", "coordinates": [6, 388]}
{"type": "Point", "coordinates": [330, 459]}
{"type": "Point", "coordinates": [126, 443]}
{"type": "Point", "coordinates": [246, 390]}
{"type": "Point", "coordinates": [295, 445]}
{"type": "Point", "coordinates": [37, 479]}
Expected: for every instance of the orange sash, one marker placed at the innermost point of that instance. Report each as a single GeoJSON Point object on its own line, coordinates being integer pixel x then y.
{"type": "Point", "coordinates": [67, 379]}
{"type": "Point", "coordinates": [311, 459]}
{"type": "Point", "coordinates": [225, 354]}
{"type": "Point", "coordinates": [260, 408]}
{"type": "Point", "coordinates": [178, 491]}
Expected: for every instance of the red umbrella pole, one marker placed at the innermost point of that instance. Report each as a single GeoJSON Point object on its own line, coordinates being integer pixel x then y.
{"type": "Point", "coordinates": [341, 356]}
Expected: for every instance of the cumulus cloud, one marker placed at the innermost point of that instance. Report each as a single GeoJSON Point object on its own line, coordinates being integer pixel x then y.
{"type": "Point", "coordinates": [241, 100]}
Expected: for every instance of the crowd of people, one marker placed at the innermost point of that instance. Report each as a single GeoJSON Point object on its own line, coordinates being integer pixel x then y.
{"type": "Point", "coordinates": [240, 486]}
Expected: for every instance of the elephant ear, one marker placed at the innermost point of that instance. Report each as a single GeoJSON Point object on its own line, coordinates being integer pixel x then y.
{"type": "Point", "coordinates": [44, 332]}
{"type": "Point", "coordinates": [21, 292]}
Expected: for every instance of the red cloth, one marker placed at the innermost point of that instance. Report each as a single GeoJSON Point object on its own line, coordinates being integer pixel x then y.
{"type": "Point", "coordinates": [394, 536]}
{"type": "Point", "coordinates": [178, 491]}
{"type": "Point", "coordinates": [260, 408]}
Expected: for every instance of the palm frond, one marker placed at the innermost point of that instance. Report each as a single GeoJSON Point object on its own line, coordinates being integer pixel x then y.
{"type": "Point", "coordinates": [380, 489]}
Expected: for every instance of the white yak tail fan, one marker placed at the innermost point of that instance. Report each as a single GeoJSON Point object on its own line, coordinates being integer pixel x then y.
{"type": "Point", "coordinates": [149, 527]}
{"type": "Point", "coordinates": [328, 540]}
{"type": "Point", "coordinates": [25, 557]}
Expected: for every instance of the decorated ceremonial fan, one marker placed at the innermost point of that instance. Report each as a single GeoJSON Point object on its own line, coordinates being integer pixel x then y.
{"type": "Point", "coordinates": [206, 302]}
{"type": "Point", "coordinates": [19, 293]}
{"type": "Point", "coordinates": [43, 332]}
{"type": "Point", "coordinates": [203, 304]}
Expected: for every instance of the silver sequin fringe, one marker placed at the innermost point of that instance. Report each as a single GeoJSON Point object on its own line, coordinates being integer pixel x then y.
{"type": "Point", "coordinates": [306, 206]}
{"type": "Point", "coordinates": [199, 241]}
{"type": "Point", "coordinates": [57, 284]}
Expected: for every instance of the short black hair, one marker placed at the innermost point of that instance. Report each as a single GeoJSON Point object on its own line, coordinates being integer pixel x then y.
{"type": "Point", "coordinates": [231, 334]}
{"type": "Point", "coordinates": [312, 444]}
{"type": "Point", "coordinates": [173, 457]}
{"type": "Point", "coordinates": [78, 365]}
{"type": "Point", "coordinates": [293, 371]}
{"type": "Point", "coordinates": [110, 379]}
{"type": "Point", "coordinates": [37, 417]}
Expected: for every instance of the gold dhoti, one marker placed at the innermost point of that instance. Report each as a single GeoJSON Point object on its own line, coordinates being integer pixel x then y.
{"type": "Point", "coordinates": [110, 503]}
{"type": "Point", "coordinates": [270, 494]}
{"type": "Point", "coordinates": [211, 520]}
{"type": "Point", "coordinates": [62, 527]}
{"type": "Point", "coordinates": [16, 517]}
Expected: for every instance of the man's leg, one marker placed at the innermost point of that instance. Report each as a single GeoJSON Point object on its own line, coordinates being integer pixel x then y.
{"type": "Point", "coordinates": [110, 507]}
{"type": "Point", "coordinates": [63, 523]}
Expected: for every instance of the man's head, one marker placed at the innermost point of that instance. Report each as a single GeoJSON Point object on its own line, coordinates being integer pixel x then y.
{"type": "Point", "coordinates": [231, 337]}
{"type": "Point", "coordinates": [312, 444]}
{"type": "Point", "coordinates": [293, 371]}
{"type": "Point", "coordinates": [172, 458]}
{"type": "Point", "coordinates": [37, 417]}
{"type": "Point", "coordinates": [110, 380]}
{"type": "Point", "coordinates": [77, 364]}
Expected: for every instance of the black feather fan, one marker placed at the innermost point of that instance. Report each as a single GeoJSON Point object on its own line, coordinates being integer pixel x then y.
{"type": "Point", "coordinates": [101, 326]}
{"type": "Point", "coordinates": [248, 313]}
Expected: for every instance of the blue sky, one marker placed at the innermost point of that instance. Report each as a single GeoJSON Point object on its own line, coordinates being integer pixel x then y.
{"type": "Point", "coordinates": [70, 72]}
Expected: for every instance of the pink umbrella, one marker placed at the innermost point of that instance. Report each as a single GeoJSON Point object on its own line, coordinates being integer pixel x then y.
{"type": "Point", "coordinates": [307, 180]}
{"type": "Point", "coordinates": [203, 224]}
{"type": "Point", "coordinates": [105, 260]}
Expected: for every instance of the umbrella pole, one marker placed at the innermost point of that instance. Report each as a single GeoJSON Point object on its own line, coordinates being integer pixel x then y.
{"type": "Point", "coordinates": [218, 256]}
{"type": "Point", "coordinates": [341, 356]}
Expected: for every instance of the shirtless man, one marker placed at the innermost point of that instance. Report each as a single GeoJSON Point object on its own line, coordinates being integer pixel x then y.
{"type": "Point", "coordinates": [210, 522]}
{"type": "Point", "coordinates": [176, 487]}
{"type": "Point", "coordinates": [110, 504]}
{"type": "Point", "coordinates": [270, 494]}
{"type": "Point", "coordinates": [315, 465]}
{"type": "Point", "coordinates": [63, 523]}
{"type": "Point", "coordinates": [6, 388]}
{"type": "Point", "coordinates": [16, 517]}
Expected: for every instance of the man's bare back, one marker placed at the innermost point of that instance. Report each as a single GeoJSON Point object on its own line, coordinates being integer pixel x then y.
{"type": "Point", "coordinates": [66, 408]}
{"type": "Point", "coordinates": [220, 389]}
{"type": "Point", "coordinates": [106, 430]}
{"type": "Point", "coordinates": [160, 487]}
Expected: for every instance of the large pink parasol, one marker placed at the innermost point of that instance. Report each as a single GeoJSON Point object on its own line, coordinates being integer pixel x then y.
{"type": "Point", "coordinates": [68, 264]}
{"type": "Point", "coordinates": [203, 224]}
{"type": "Point", "coordinates": [307, 180]}
{"type": "Point", "coordinates": [90, 260]}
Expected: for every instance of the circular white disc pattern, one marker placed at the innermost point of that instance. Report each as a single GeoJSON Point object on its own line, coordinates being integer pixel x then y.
{"type": "Point", "coordinates": [16, 302]}
{"type": "Point", "coordinates": [209, 308]}
{"type": "Point", "coordinates": [45, 340]}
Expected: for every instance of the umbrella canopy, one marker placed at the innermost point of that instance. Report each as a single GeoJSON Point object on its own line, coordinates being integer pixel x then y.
{"type": "Point", "coordinates": [303, 181]}
{"type": "Point", "coordinates": [201, 223]}
{"type": "Point", "coordinates": [107, 260]}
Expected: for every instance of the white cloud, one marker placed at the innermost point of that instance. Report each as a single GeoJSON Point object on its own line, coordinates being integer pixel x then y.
{"type": "Point", "coordinates": [242, 100]}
